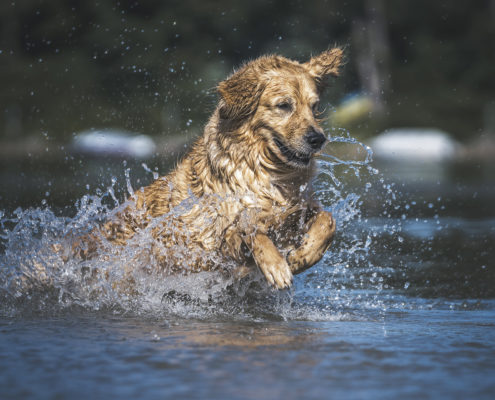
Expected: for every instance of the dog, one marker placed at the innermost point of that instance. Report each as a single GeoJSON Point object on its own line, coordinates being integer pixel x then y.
{"type": "Point", "coordinates": [249, 175]}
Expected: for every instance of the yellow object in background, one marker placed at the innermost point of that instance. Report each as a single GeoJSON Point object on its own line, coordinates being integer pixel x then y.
{"type": "Point", "coordinates": [353, 109]}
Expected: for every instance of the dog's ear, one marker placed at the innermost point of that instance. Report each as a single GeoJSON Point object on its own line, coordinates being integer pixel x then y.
{"type": "Point", "coordinates": [324, 65]}
{"type": "Point", "coordinates": [240, 93]}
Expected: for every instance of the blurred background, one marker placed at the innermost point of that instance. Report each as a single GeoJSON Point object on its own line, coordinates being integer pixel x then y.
{"type": "Point", "coordinates": [97, 95]}
{"type": "Point", "coordinates": [90, 87]}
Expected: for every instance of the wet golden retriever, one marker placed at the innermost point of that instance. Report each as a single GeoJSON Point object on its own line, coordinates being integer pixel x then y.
{"type": "Point", "coordinates": [243, 193]}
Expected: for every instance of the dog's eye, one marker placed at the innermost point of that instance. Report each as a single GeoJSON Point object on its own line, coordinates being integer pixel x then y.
{"type": "Point", "coordinates": [284, 106]}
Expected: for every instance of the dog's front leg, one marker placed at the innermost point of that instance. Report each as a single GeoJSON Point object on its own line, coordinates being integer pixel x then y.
{"type": "Point", "coordinates": [269, 260]}
{"type": "Point", "coordinates": [315, 243]}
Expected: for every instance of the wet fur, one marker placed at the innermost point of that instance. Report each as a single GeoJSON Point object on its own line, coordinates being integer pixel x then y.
{"type": "Point", "coordinates": [249, 175]}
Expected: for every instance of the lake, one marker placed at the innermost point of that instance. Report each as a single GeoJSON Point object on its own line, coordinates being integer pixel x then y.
{"type": "Point", "coordinates": [402, 306]}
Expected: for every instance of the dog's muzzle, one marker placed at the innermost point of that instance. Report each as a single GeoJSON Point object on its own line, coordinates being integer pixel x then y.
{"type": "Point", "coordinates": [315, 139]}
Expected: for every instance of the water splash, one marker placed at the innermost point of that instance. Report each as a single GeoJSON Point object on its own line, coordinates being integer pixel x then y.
{"type": "Point", "coordinates": [351, 280]}
{"type": "Point", "coordinates": [34, 276]}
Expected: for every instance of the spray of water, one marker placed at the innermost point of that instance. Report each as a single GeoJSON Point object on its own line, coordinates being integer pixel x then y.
{"type": "Point", "coordinates": [39, 273]}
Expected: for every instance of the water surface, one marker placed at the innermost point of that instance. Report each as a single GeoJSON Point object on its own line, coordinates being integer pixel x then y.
{"type": "Point", "coordinates": [402, 306]}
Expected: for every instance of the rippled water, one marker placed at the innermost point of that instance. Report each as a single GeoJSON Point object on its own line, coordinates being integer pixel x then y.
{"type": "Point", "coordinates": [401, 306]}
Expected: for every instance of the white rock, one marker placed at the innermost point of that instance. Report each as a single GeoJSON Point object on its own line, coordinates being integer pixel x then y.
{"type": "Point", "coordinates": [414, 144]}
{"type": "Point", "coordinates": [114, 142]}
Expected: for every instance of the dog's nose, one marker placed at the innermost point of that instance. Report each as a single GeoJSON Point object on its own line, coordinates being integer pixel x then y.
{"type": "Point", "coordinates": [315, 139]}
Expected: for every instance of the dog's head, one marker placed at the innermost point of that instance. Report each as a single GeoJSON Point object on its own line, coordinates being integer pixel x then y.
{"type": "Point", "coordinates": [279, 99]}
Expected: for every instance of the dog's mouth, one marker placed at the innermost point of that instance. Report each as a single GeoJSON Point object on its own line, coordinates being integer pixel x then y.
{"type": "Point", "coordinates": [293, 156]}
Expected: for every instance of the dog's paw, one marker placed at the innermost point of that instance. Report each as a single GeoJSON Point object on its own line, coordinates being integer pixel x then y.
{"type": "Point", "coordinates": [278, 274]}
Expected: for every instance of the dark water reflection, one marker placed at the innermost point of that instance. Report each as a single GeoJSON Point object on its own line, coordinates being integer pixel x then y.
{"type": "Point", "coordinates": [61, 179]}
